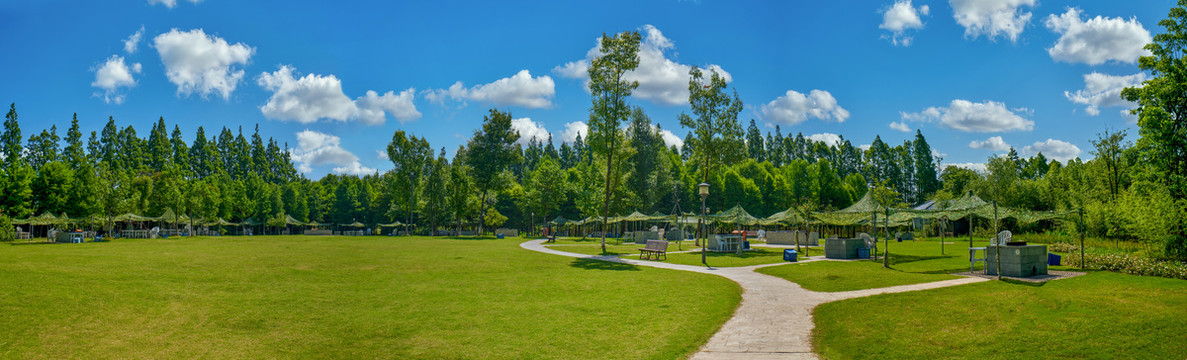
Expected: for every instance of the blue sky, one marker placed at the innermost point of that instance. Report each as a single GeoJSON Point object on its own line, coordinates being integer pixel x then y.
{"type": "Point", "coordinates": [974, 76]}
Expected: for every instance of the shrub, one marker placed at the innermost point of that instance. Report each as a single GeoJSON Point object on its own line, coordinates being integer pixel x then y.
{"type": "Point", "coordinates": [1132, 264]}
{"type": "Point", "coordinates": [1176, 247]}
{"type": "Point", "coordinates": [7, 233]}
{"type": "Point", "coordinates": [1060, 247]}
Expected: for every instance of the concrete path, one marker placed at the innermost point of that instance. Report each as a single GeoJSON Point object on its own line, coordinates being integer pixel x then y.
{"type": "Point", "coordinates": [774, 320]}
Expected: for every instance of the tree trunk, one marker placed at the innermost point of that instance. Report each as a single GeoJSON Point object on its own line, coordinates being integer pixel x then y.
{"type": "Point", "coordinates": [482, 214]}
{"type": "Point", "coordinates": [606, 203]}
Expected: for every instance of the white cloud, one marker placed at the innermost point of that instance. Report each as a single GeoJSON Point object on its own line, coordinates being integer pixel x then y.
{"type": "Point", "coordinates": [372, 107]}
{"type": "Point", "coordinates": [1130, 118]}
{"type": "Point", "coordinates": [670, 138]}
{"type": "Point", "coordinates": [793, 108]}
{"type": "Point", "coordinates": [865, 147]}
{"type": "Point", "coordinates": [114, 75]}
{"type": "Point", "coordinates": [520, 89]}
{"type": "Point", "coordinates": [1101, 90]}
{"type": "Point", "coordinates": [1097, 40]}
{"type": "Point", "coordinates": [200, 63]}
{"type": "Point", "coordinates": [899, 18]}
{"type": "Point", "coordinates": [827, 138]}
{"type": "Point", "coordinates": [315, 148]}
{"type": "Point", "coordinates": [307, 99]}
{"type": "Point", "coordinates": [992, 144]}
{"type": "Point", "coordinates": [1053, 149]}
{"type": "Point", "coordinates": [963, 115]}
{"type": "Point", "coordinates": [661, 80]}
{"type": "Point", "coordinates": [132, 42]}
{"type": "Point", "coordinates": [314, 97]}
{"type": "Point", "coordinates": [169, 3]}
{"type": "Point", "coordinates": [900, 126]}
{"type": "Point", "coordinates": [528, 130]}
{"type": "Point", "coordinates": [978, 167]}
{"type": "Point", "coordinates": [382, 155]}
{"type": "Point", "coordinates": [573, 129]}
{"type": "Point", "coordinates": [992, 18]}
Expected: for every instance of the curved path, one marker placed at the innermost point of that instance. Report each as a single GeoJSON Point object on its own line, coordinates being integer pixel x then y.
{"type": "Point", "coordinates": [774, 320]}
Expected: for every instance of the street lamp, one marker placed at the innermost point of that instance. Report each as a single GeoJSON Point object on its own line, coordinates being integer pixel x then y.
{"type": "Point", "coordinates": [532, 229]}
{"type": "Point", "coordinates": [703, 190]}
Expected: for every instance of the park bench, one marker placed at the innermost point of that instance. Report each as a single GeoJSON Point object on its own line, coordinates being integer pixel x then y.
{"type": "Point", "coordinates": [654, 247]}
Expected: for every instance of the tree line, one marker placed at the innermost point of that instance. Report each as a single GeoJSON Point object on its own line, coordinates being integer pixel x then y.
{"type": "Point", "coordinates": [1129, 190]}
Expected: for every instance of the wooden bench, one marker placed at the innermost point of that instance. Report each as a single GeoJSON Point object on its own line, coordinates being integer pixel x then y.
{"type": "Point", "coordinates": [550, 239]}
{"type": "Point", "coordinates": [654, 247]}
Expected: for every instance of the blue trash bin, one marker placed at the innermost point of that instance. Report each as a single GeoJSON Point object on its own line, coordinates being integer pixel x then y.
{"type": "Point", "coordinates": [1053, 259]}
{"type": "Point", "coordinates": [746, 245]}
{"type": "Point", "coordinates": [500, 236]}
{"type": "Point", "coordinates": [789, 255]}
{"type": "Point", "coordinates": [863, 253]}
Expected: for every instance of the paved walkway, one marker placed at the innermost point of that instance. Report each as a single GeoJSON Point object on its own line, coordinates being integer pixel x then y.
{"type": "Point", "coordinates": [774, 320]}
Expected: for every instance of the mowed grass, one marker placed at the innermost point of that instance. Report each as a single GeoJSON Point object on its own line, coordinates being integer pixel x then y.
{"type": "Point", "coordinates": [756, 256]}
{"type": "Point", "coordinates": [911, 262]}
{"type": "Point", "coordinates": [1101, 315]}
{"type": "Point", "coordinates": [346, 297]}
{"type": "Point", "coordinates": [833, 276]}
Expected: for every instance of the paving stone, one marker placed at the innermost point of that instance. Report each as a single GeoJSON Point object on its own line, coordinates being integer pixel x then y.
{"type": "Point", "coordinates": [774, 320]}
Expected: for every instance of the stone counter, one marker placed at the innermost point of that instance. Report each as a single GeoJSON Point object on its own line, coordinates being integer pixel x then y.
{"type": "Point", "coordinates": [842, 248]}
{"type": "Point", "coordinates": [1017, 261]}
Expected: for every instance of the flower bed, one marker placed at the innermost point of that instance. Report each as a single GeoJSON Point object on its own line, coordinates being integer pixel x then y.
{"type": "Point", "coordinates": [1131, 264]}
{"type": "Point", "coordinates": [1060, 247]}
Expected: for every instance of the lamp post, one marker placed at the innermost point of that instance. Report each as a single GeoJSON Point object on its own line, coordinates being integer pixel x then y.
{"type": "Point", "coordinates": [532, 229]}
{"type": "Point", "coordinates": [703, 190]}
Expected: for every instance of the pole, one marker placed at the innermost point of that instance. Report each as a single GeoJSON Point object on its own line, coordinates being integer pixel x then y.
{"type": "Point", "coordinates": [1081, 238]}
{"type": "Point", "coordinates": [886, 240]}
{"type": "Point", "coordinates": [997, 252]}
{"type": "Point", "coordinates": [702, 231]}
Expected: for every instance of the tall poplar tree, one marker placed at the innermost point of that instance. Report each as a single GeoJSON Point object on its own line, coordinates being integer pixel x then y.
{"type": "Point", "coordinates": [609, 87]}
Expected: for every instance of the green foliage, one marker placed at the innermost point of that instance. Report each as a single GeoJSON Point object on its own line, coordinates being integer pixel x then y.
{"type": "Point", "coordinates": [491, 151]}
{"type": "Point", "coordinates": [7, 232]}
{"type": "Point", "coordinates": [10, 140]}
{"type": "Point", "coordinates": [51, 189]}
{"type": "Point", "coordinates": [717, 136]}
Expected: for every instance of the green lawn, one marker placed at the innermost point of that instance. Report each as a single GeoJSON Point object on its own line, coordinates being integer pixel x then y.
{"type": "Point", "coordinates": [911, 262]}
{"type": "Point", "coordinates": [832, 276]}
{"type": "Point", "coordinates": [345, 297]}
{"type": "Point", "coordinates": [1101, 315]}
{"type": "Point", "coordinates": [756, 256]}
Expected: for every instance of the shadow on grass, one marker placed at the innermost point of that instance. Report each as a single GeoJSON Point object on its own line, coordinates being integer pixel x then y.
{"type": "Point", "coordinates": [903, 258]}
{"type": "Point", "coordinates": [469, 238]}
{"type": "Point", "coordinates": [32, 243]}
{"type": "Point", "coordinates": [589, 264]}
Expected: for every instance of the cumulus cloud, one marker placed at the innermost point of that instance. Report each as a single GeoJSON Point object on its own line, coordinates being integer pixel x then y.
{"type": "Point", "coordinates": [382, 155]}
{"type": "Point", "coordinates": [900, 18]}
{"type": "Point", "coordinates": [1097, 40]}
{"type": "Point", "coordinates": [372, 106]}
{"type": "Point", "coordinates": [671, 139]}
{"type": "Point", "coordinates": [169, 3]}
{"type": "Point", "coordinates": [520, 89]}
{"type": "Point", "coordinates": [315, 148]}
{"type": "Point", "coordinates": [113, 76]}
{"type": "Point", "coordinates": [992, 18]}
{"type": "Point", "coordinates": [963, 115]}
{"type": "Point", "coordinates": [314, 97]}
{"type": "Point", "coordinates": [132, 42]}
{"type": "Point", "coordinates": [661, 80]}
{"type": "Point", "coordinates": [827, 138]}
{"type": "Point", "coordinates": [307, 99]}
{"type": "Point", "coordinates": [900, 126]}
{"type": "Point", "coordinates": [1053, 149]}
{"type": "Point", "coordinates": [793, 108]}
{"type": "Point", "coordinates": [200, 63]}
{"type": "Point", "coordinates": [573, 129]}
{"type": "Point", "coordinates": [529, 130]}
{"type": "Point", "coordinates": [978, 167]}
{"type": "Point", "coordinates": [992, 144]}
{"type": "Point", "coordinates": [1101, 90]}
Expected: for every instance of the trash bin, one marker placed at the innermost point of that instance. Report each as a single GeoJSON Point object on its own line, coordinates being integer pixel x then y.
{"type": "Point", "coordinates": [746, 245]}
{"type": "Point", "coordinates": [1053, 259]}
{"type": "Point", "coordinates": [500, 236]}
{"type": "Point", "coordinates": [789, 255]}
{"type": "Point", "coordinates": [863, 253]}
